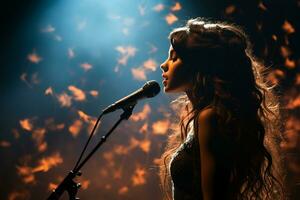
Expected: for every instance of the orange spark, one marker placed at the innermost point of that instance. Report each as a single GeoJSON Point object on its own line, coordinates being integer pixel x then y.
{"type": "Point", "coordinates": [139, 74]}
{"type": "Point", "coordinates": [285, 51]}
{"type": "Point", "coordinates": [139, 176]}
{"type": "Point", "coordinates": [26, 124]}
{"type": "Point", "coordinates": [78, 94]}
{"type": "Point", "coordinates": [230, 9]}
{"type": "Point", "coordinates": [291, 64]}
{"type": "Point", "coordinates": [145, 145]}
{"type": "Point", "coordinates": [288, 27]}
{"type": "Point", "coordinates": [262, 6]}
{"type": "Point", "coordinates": [144, 128]}
{"type": "Point", "coordinates": [52, 186]}
{"type": "Point", "coordinates": [34, 58]}
{"type": "Point", "coordinates": [38, 136]}
{"type": "Point", "coordinates": [274, 37]}
{"type": "Point", "coordinates": [161, 127]}
{"type": "Point", "coordinates": [45, 164]}
{"type": "Point", "coordinates": [85, 184]}
{"type": "Point", "coordinates": [15, 195]}
{"type": "Point", "coordinates": [118, 173]}
{"type": "Point", "coordinates": [123, 190]}
{"type": "Point", "coordinates": [293, 103]}
{"type": "Point", "coordinates": [126, 52]}
{"type": "Point", "coordinates": [150, 64]}
{"type": "Point", "coordinates": [139, 116]}
{"type": "Point", "coordinates": [297, 79]}
{"type": "Point", "coordinates": [94, 93]}
{"type": "Point", "coordinates": [49, 91]}
{"type": "Point", "coordinates": [121, 150]}
{"type": "Point", "coordinates": [86, 66]}
{"type": "Point", "coordinates": [275, 76]}
{"type": "Point", "coordinates": [158, 7]}
{"type": "Point", "coordinates": [176, 7]}
{"type": "Point", "coordinates": [171, 18]}
{"type": "Point", "coordinates": [75, 128]}
{"type": "Point", "coordinates": [64, 99]}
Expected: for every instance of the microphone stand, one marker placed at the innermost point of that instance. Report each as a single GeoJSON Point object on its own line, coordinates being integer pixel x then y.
{"type": "Point", "coordinates": [68, 184]}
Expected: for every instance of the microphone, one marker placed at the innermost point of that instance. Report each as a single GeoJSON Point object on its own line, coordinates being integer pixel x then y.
{"type": "Point", "coordinates": [150, 89]}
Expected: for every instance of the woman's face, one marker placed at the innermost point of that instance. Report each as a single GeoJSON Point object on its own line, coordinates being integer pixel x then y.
{"type": "Point", "coordinates": [176, 76]}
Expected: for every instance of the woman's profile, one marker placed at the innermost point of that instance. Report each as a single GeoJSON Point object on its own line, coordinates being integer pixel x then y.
{"type": "Point", "coordinates": [226, 143]}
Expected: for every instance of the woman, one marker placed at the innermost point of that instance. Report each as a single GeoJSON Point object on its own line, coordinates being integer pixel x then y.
{"type": "Point", "coordinates": [226, 145]}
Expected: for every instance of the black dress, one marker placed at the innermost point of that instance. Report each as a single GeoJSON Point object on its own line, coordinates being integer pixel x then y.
{"type": "Point", "coordinates": [185, 170]}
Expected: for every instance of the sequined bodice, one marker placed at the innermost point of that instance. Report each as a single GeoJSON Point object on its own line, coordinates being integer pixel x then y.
{"type": "Point", "coordinates": [185, 170]}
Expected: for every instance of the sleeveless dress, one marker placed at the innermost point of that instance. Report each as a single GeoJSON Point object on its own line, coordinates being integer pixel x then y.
{"type": "Point", "coordinates": [185, 170]}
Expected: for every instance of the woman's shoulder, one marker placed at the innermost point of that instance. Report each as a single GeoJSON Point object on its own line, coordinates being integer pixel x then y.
{"type": "Point", "coordinates": [208, 117]}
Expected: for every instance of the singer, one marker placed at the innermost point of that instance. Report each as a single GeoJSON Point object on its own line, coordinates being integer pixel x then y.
{"type": "Point", "coordinates": [226, 144]}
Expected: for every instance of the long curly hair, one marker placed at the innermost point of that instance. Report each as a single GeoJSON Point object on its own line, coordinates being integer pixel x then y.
{"type": "Point", "coordinates": [231, 80]}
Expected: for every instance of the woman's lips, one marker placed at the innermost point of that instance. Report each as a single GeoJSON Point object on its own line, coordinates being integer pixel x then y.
{"type": "Point", "coordinates": [164, 82]}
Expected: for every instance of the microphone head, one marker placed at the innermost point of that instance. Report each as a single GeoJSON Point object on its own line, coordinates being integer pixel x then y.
{"type": "Point", "coordinates": [151, 88]}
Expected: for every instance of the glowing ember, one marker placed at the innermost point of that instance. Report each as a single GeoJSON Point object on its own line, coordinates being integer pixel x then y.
{"type": "Point", "coordinates": [75, 128]}
{"type": "Point", "coordinates": [143, 114]}
{"type": "Point", "coordinates": [288, 27]}
{"type": "Point", "coordinates": [161, 127]}
{"type": "Point", "coordinates": [126, 52]}
{"type": "Point", "coordinates": [158, 7]}
{"type": "Point", "coordinates": [78, 94]}
{"type": "Point", "coordinates": [123, 190]}
{"type": "Point", "coordinates": [171, 18]}
{"type": "Point", "coordinates": [34, 58]}
{"type": "Point", "coordinates": [94, 93]}
{"type": "Point", "coordinates": [64, 99]}
{"type": "Point", "coordinates": [139, 74]}
{"type": "Point", "coordinates": [150, 64]}
{"type": "Point", "coordinates": [26, 124]}
{"type": "Point", "coordinates": [38, 136]}
{"type": "Point", "coordinates": [139, 177]}
{"type": "Point", "coordinates": [176, 7]}
{"type": "Point", "coordinates": [49, 91]}
{"type": "Point", "coordinates": [86, 66]}
{"type": "Point", "coordinates": [230, 9]}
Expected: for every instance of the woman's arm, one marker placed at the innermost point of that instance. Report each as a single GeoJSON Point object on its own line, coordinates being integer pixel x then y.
{"type": "Point", "coordinates": [214, 176]}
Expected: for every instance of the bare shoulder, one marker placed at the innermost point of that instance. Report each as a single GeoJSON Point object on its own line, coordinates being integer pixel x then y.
{"type": "Point", "coordinates": [208, 117]}
{"type": "Point", "coordinates": [208, 125]}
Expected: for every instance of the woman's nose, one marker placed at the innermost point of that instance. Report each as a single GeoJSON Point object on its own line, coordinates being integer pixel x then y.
{"type": "Point", "coordinates": [164, 67]}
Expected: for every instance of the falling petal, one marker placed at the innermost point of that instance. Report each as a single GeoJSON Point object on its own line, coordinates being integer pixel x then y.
{"type": "Point", "coordinates": [288, 27]}
{"type": "Point", "coordinates": [230, 9]}
{"type": "Point", "coordinates": [139, 116]}
{"type": "Point", "coordinates": [78, 94]}
{"type": "Point", "coordinates": [158, 7]}
{"type": "Point", "coordinates": [26, 124]}
{"type": "Point", "coordinates": [75, 128]}
{"type": "Point", "coordinates": [176, 7]}
{"type": "Point", "coordinates": [161, 127]}
{"type": "Point", "coordinates": [64, 99]}
{"type": "Point", "coordinates": [86, 66]}
{"type": "Point", "coordinates": [171, 18]}
{"type": "Point", "coordinates": [150, 64]}
{"type": "Point", "coordinates": [139, 74]}
{"type": "Point", "coordinates": [139, 177]}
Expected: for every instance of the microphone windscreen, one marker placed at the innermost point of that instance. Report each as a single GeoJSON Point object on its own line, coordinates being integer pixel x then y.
{"type": "Point", "coordinates": [151, 88]}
